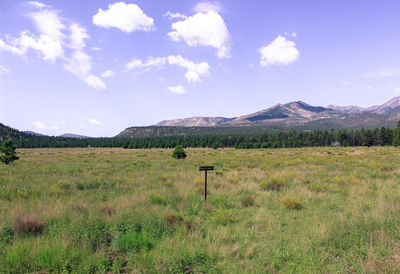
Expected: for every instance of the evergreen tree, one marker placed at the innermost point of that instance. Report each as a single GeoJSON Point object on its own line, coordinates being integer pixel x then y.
{"type": "Point", "coordinates": [8, 148]}
{"type": "Point", "coordinates": [179, 153]}
{"type": "Point", "coordinates": [368, 138]}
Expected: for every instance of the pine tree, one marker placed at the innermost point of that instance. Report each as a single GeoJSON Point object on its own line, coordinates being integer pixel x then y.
{"type": "Point", "coordinates": [9, 152]}
{"type": "Point", "coordinates": [368, 138]}
{"type": "Point", "coordinates": [179, 153]}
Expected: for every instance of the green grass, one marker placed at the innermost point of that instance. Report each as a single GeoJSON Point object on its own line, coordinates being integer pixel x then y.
{"type": "Point", "coordinates": [273, 210]}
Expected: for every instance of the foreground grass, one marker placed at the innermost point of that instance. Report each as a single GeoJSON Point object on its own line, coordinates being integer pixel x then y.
{"type": "Point", "coordinates": [272, 210]}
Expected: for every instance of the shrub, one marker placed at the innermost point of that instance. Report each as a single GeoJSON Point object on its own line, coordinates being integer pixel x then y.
{"type": "Point", "coordinates": [188, 262]}
{"type": "Point", "coordinates": [157, 199]}
{"type": "Point", "coordinates": [272, 185]}
{"type": "Point", "coordinates": [8, 148]}
{"type": "Point", "coordinates": [247, 200]}
{"type": "Point", "coordinates": [133, 241]}
{"type": "Point", "coordinates": [291, 202]}
{"type": "Point", "coordinates": [179, 153]}
{"type": "Point", "coordinates": [29, 224]}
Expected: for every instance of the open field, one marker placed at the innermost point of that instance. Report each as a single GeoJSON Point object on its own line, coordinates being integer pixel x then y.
{"type": "Point", "coordinates": [272, 210]}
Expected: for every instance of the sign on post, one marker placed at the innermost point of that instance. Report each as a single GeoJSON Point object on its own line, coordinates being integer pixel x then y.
{"type": "Point", "coordinates": [205, 169]}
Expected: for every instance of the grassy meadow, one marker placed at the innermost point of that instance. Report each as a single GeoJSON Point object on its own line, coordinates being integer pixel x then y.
{"type": "Point", "coordinates": [272, 210]}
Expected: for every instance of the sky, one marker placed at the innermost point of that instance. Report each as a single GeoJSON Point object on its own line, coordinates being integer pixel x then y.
{"type": "Point", "coordinates": [96, 67]}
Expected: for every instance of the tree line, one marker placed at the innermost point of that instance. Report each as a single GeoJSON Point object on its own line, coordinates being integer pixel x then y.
{"type": "Point", "coordinates": [283, 139]}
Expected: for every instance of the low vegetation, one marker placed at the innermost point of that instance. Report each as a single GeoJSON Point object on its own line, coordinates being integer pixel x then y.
{"type": "Point", "coordinates": [302, 210]}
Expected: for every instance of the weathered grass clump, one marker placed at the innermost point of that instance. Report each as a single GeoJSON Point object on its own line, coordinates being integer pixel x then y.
{"type": "Point", "coordinates": [247, 200]}
{"type": "Point", "coordinates": [272, 185]}
{"type": "Point", "coordinates": [291, 202]}
{"type": "Point", "coordinates": [29, 224]}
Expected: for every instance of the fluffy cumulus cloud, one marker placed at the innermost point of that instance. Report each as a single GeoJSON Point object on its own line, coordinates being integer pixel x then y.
{"type": "Point", "coordinates": [56, 35]}
{"type": "Point", "coordinates": [4, 70]}
{"type": "Point", "coordinates": [126, 17]}
{"type": "Point", "coordinates": [203, 29]}
{"type": "Point", "coordinates": [94, 122]}
{"type": "Point", "coordinates": [37, 4]}
{"type": "Point", "coordinates": [279, 52]}
{"type": "Point", "coordinates": [177, 89]}
{"type": "Point", "coordinates": [205, 7]}
{"type": "Point", "coordinates": [194, 71]}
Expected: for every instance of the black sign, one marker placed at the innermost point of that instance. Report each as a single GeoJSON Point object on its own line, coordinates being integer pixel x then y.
{"type": "Point", "coordinates": [202, 168]}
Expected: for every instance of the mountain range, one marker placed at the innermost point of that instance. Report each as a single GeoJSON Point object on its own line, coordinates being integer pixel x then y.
{"type": "Point", "coordinates": [298, 113]}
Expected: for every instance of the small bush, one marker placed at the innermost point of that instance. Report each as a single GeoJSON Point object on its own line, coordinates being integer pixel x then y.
{"type": "Point", "coordinates": [133, 241]}
{"type": "Point", "coordinates": [157, 199]}
{"type": "Point", "coordinates": [247, 200]}
{"type": "Point", "coordinates": [291, 202]}
{"type": "Point", "coordinates": [179, 153]}
{"type": "Point", "coordinates": [188, 262]}
{"type": "Point", "coordinates": [272, 185]}
{"type": "Point", "coordinates": [29, 224]}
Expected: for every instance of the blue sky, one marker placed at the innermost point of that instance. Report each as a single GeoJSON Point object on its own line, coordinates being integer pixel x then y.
{"type": "Point", "coordinates": [97, 67]}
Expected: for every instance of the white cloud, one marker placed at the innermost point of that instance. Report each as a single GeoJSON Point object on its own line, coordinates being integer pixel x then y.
{"type": "Point", "coordinates": [205, 7]}
{"type": "Point", "coordinates": [383, 73]}
{"type": "Point", "coordinates": [49, 23]}
{"type": "Point", "coordinates": [95, 48]}
{"type": "Point", "coordinates": [279, 52]}
{"type": "Point", "coordinates": [397, 90]}
{"type": "Point", "coordinates": [175, 15]}
{"type": "Point", "coordinates": [80, 64]}
{"type": "Point", "coordinates": [40, 125]}
{"type": "Point", "coordinates": [49, 48]}
{"type": "Point", "coordinates": [369, 87]}
{"type": "Point", "coordinates": [291, 34]}
{"type": "Point", "coordinates": [157, 62]}
{"type": "Point", "coordinates": [141, 72]}
{"type": "Point", "coordinates": [38, 5]}
{"type": "Point", "coordinates": [78, 36]}
{"type": "Point", "coordinates": [345, 83]}
{"type": "Point", "coordinates": [194, 71]}
{"type": "Point", "coordinates": [108, 73]}
{"type": "Point", "coordinates": [49, 41]}
{"type": "Point", "coordinates": [126, 17]}
{"type": "Point", "coordinates": [94, 82]}
{"type": "Point", "coordinates": [177, 89]}
{"type": "Point", "coordinates": [203, 29]}
{"type": "Point", "coordinates": [4, 70]}
{"type": "Point", "coordinates": [94, 122]}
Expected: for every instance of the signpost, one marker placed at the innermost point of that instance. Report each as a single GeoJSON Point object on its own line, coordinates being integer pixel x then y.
{"type": "Point", "coordinates": [205, 169]}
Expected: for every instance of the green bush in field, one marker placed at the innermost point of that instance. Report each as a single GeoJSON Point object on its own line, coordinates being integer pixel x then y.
{"type": "Point", "coordinates": [179, 153]}
{"type": "Point", "coordinates": [157, 199]}
{"type": "Point", "coordinates": [291, 202]}
{"type": "Point", "coordinates": [8, 148]}
{"type": "Point", "coordinates": [188, 262]}
{"type": "Point", "coordinates": [133, 241]}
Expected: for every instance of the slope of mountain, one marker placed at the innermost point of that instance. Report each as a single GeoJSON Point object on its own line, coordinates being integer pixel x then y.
{"type": "Point", "coordinates": [347, 109]}
{"type": "Point", "coordinates": [388, 108]}
{"type": "Point", "coordinates": [195, 122]}
{"type": "Point", "coordinates": [70, 135]}
{"type": "Point", "coordinates": [33, 133]}
{"type": "Point", "coordinates": [304, 116]}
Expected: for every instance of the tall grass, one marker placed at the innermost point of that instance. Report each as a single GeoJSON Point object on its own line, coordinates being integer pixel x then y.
{"type": "Point", "coordinates": [99, 210]}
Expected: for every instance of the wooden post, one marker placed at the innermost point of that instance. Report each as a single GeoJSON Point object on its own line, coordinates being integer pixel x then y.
{"type": "Point", "coordinates": [205, 185]}
{"type": "Point", "coordinates": [205, 169]}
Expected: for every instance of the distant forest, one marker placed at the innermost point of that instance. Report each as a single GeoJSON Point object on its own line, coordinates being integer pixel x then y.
{"type": "Point", "coordinates": [283, 139]}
